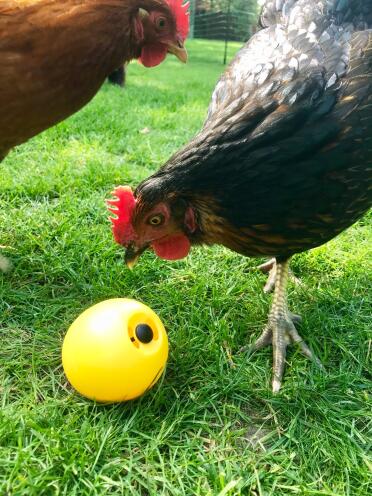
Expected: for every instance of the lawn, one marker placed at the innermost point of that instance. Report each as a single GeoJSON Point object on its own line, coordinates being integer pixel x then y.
{"type": "Point", "coordinates": [212, 426]}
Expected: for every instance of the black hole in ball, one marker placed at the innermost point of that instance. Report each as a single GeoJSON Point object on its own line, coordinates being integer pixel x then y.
{"type": "Point", "coordinates": [144, 333]}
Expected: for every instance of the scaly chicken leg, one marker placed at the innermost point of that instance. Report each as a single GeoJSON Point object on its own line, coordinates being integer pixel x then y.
{"type": "Point", "coordinates": [280, 330]}
{"type": "Point", "coordinates": [270, 268]}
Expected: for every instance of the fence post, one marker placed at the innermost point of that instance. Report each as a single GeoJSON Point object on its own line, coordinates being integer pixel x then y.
{"type": "Point", "coordinates": [192, 18]}
{"type": "Point", "coordinates": [227, 30]}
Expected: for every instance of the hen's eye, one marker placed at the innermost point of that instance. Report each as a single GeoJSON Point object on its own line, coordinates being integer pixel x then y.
{"type": "Point", "coordinates": [161, 22]}
{"type": "Point", "coordinates": [156, 220]}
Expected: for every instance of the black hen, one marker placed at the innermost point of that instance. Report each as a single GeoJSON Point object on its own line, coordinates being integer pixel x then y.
{"type": "Point", "coordinates": [283, 161]}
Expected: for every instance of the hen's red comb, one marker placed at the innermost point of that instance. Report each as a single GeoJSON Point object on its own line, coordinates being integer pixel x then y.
{"type": "Point", "coordinates": [122, 207]}
{"type": "Point", "coordinates": [181, 14]}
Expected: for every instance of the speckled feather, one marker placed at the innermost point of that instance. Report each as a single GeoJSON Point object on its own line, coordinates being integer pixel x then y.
{"type": "Point", "coordinates": [283, 162]}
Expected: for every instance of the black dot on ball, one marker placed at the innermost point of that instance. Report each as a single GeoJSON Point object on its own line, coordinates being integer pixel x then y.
{"type": "Point", "coordinates": [144, 333]}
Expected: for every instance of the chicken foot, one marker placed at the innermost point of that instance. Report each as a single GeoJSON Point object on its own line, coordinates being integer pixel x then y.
{"type": "Point", "coordinates": [280, 330]}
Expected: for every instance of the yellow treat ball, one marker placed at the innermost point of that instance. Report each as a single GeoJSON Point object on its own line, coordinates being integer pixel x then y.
{"type": "Point", "coordinates": [115, 350]}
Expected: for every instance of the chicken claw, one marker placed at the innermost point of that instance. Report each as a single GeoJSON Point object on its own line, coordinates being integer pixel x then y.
{"type": "Point", "coordinates": [280, 330]}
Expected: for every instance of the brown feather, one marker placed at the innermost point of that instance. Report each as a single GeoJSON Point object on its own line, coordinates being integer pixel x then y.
{"type": "Point", "coordinates": [55, 55]}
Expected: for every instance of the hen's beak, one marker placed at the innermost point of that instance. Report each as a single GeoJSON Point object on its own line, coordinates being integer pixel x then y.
{"type": "Point", "coordinates": [178, 50]}
{"type": "Point", "coordinates": [132, 254]}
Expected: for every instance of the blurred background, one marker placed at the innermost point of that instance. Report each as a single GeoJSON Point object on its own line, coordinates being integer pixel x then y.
{"type": "Point", "coordinates": [226, 20]}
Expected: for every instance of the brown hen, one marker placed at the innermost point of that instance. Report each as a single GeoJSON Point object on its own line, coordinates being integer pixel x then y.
{"type": "Point", "coordinates": [55, 54]}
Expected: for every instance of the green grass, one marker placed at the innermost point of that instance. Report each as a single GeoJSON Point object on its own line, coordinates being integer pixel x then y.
{"type": "Point", "coordinates": [209, 428]}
